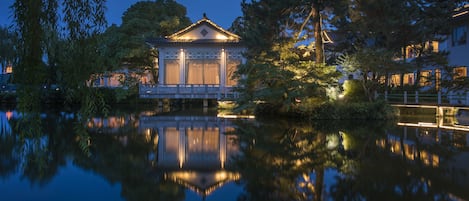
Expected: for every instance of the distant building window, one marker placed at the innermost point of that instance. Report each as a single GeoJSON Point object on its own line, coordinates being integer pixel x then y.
{"type": "Point", "coordinates": [408, 79]}
{"type": "Point", "coordinates": [382, 79]}
{"type": "Point", "coordinates": [411, 53]}
{"type": "Point", "coordinates": [459, 36]}
{"type": "Point", "coordinates": [460, 72]}
{"type": "Point", "coordinates": [434, 46]}
{"type": "Point", "coordinates": [425, 78]}
{"type": "Point", "coordinates": [395, 80]}
{"type": "Point", "coordinates": [9, 69]}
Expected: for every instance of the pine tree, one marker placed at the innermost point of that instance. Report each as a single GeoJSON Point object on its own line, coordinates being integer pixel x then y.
{"type": "Point", "coordinates": [284, 64]}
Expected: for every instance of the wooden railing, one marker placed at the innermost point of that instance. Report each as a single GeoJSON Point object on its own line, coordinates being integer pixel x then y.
{"type": "Point", "coordinates": [186, 91]}
{"type": "Point", "coordinates": [451, 98]}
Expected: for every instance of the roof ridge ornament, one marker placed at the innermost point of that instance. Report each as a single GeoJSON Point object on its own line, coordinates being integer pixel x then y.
{"type": "Point", "coordinates": [204, 15]}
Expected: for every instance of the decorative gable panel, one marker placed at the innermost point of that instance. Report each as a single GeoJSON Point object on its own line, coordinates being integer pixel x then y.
{"type": "Point", "coordinates": [203, 29]}
{"type": "Point", "coordinates": [202, 32]}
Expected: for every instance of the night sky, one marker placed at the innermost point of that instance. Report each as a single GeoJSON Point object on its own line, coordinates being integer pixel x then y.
{"type": "Point", "coordinates": [222, 12]}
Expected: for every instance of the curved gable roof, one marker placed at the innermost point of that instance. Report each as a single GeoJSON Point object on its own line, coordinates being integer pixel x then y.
{"type": "Point", "coordinates": [203, 29]}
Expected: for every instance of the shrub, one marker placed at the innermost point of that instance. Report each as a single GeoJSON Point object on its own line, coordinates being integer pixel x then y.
{"type": "Point", "coordinates": [357, 110]}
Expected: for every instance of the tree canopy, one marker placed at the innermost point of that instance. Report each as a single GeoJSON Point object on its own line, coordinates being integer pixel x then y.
{"type": "Point", "coordinates": [285, 62]}
{"type": "Point", "coordinates": [380, 35]}
{"type": "Point", "coordinates": [7, 47]}
{"type": "Point", "coordinates": [143, 20]}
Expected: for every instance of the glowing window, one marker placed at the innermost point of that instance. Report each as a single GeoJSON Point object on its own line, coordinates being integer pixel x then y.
{"type": "Point", "coordinates": [459, 72]}
{"type": "Point", "coordinates": [172, 72]}
{"type": "Point", "coordinates": [395, 80]}
{"type": "Point", "coordinates": [203, 71]}
{"type": "Point", "coordinates": [425, 78]}
{"type": "Point", "coordinates": [408, 79]}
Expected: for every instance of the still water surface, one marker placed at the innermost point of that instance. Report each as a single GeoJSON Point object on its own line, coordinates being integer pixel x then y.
{"type": "Point", "coordinates": [195, 155]}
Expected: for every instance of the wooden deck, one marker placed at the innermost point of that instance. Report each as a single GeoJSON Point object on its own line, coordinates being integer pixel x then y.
{"type": "Point", "coordinates": [187, 92]}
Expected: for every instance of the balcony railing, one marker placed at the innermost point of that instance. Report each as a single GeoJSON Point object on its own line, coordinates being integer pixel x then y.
{"type": "Point", "coordinates": [187, 91]}
{"type": "Point", "coordinates": [450, 98]}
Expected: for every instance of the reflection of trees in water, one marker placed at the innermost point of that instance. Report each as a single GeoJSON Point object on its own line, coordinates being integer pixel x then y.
{"type": "Point", "coordinates": [42, 142]}
{"type": "Point", "coordinates": [8, 160]}
{"type": "Point", "coordinates": [37, 149]}
{"type": "Point", "coordinates": [131, 165]}
{"type": "Point", "coordinates": [378, 171]}
{"type": "Point", "coordinates": [282, 161]}
{"type": "Point", "coordinates": [5, 128]}
{"type": "Point", "coordinates": [285, 161]}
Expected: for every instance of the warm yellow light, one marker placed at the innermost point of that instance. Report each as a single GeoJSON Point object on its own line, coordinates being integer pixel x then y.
{"type": "Point", "coordinates": [235, 116]}
{"type": "Point", "coordinates": [220, 37]}
{"type": "Point", "coordinates": [147, 135]}
{"type": "Point", "coordinates": [220, 176]}
{"type": "Point", "coordinates": [9, 114]}
{"type": "Point", "coordinates": [462, 13]}
{"type": "Point", "coordinates": [181, 162]}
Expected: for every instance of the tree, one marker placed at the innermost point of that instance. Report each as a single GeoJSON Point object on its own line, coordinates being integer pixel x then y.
{"type": "Point", "coordinates": [281, 69]}
{"type": "Point", "coordinates": [312, 21]}
{"type": "Point", "coordinates": [30, 19]}
{"type": "Point", "coordinates": [381, 32]}
{"type": "Point", "coordinates": [148, 19]}
{"type": "Point", "coordinates": [7, 47]}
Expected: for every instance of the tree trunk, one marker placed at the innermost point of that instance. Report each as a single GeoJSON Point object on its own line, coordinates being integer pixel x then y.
{"type": "Point", "coordinates": [318, 44]}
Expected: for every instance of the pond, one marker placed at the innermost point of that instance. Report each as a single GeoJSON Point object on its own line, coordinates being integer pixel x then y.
{"type": "Point", "coordinates": [198, 154]}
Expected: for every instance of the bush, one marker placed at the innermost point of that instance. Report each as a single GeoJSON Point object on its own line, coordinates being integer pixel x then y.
{"type": "Point", "coordinates": [358, 110]}
{"type": "Point", "coordinates": [353, 91]}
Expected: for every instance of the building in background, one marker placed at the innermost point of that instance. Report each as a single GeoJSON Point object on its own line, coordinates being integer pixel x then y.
{"type": "Point", "coordinates": [196, 62]}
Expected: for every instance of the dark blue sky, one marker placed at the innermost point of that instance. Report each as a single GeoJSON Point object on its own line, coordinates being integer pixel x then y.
{"type": "Point", "coordinates": [222, 12]}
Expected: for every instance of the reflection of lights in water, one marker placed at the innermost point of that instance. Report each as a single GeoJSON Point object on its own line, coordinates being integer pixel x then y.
{"type": "Point", "coordinates": [411, 152]}
{"type": "Point", "coordinates": [235, 116]}
{"type": "Point", "coordinates": [5, 125]}
{"type": "Point", "coordinates": [147, 135]}
{"type": "Point", "coordinates": [202, 183]}
{"type": "Point", "coordinates": [9, 114]}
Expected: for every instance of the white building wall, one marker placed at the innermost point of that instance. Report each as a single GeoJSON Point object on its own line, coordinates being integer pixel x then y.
{"type": "Point", "coordinates": [459, 55]}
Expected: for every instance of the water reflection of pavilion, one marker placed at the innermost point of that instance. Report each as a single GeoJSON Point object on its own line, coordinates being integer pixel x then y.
{"type": "Point", "coordinates": [194, 151]}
